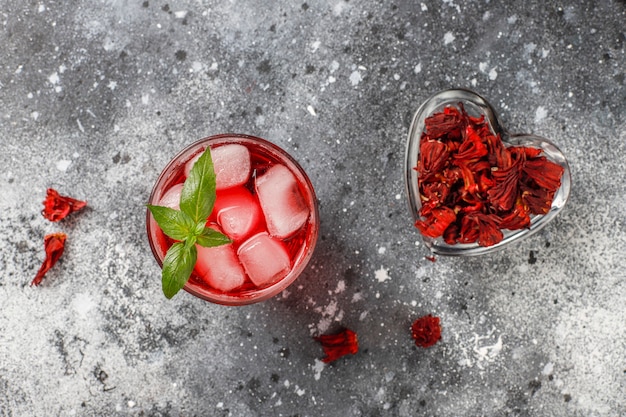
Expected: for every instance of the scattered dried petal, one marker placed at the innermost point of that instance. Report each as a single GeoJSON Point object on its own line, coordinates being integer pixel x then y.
{"type": "Point", "coordinates": [57, 207]}
{"type": "Point", "coordinates": [54, 245]}
{"type": "Point", "coordinates": [337, 345]}
{"type": "Point", "coordinates": [426, 331]}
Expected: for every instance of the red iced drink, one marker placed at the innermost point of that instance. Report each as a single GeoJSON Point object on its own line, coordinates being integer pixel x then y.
{"type": "Point", "coordinates": [264, 203]}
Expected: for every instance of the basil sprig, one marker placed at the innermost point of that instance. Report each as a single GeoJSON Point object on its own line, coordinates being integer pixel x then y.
{"type": "Point", "coordinates": [188, 225]}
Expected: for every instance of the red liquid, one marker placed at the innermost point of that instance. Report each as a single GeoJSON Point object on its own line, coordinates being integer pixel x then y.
{"type": "Point", "coordinates": [299, 246]}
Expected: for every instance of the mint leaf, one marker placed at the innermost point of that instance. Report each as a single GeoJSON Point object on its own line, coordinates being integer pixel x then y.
{"type": "Point", "coordinates": [173, 223]}
{"type": "Point", "coordinates": [209, 238]}
{"type": "Point", "coordinates": [198, 195]}
{"type": "Point", "coordinates": [177, 267]}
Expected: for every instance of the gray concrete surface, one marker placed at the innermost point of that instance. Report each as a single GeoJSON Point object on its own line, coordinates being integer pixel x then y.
{"type": "Point", "coordinates": [96, 97]}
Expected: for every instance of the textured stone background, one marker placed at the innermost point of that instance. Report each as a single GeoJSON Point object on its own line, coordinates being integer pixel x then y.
{"type": "Point", "coordinates": [97, 96]}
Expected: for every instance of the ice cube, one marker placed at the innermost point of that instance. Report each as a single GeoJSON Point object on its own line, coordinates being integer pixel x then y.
{"type": "Point", "coordinates": [171, 198]}
{"type": "Point", "coordinates": [238, 213]}
{"type": "Point", "coordinates": [231, 163]}
{"type": "Point", "coordinates": [219, 267]}
{"type": "Point", "coordinates": [264, 258]}
{"type": "Point", "coordinates": [283, 206]}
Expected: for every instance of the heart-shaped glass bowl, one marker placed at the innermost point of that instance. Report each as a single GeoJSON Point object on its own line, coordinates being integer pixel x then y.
{"type": "Point", "coordinates": [477, 106]}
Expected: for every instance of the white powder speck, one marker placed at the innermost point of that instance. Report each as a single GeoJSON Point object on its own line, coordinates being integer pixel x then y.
{"type": "Point", "coordinates": [540, 114]}
{"type": "Point", "coordinates": [83, 304]}
{"type": "Point", "coordinates": [547, 370]}
{"type": "Point", "coordinates": [131, 404]}
{"type": "Point", "coordinates": [418, 68]}
{"type": "Point", "coordinates": [334, 66]}
{"type": "Point", "coordinates": [382, 250]}
{"type": "Point", "coordinates": [438, 294]}
{"type": "Point", "coordinates": [286, 383]}
{"type": "Point", "coordinates": [63, 164]}
{"type": "Point", "coordinates": [341, 287]}
{"type": "Point", "coordinates": [219, 405]}
{"type": "Point", "coordinates": [544, 53]}
{"type": "Point", "coordinates": [181, 14]}
{"type": "Point", "coordinates": [511, 20]}
{"type": "Point", "coordinates": [482, 66]}
{"type": "Point", "coordinates": [112, 85]}
{"type": "Point", "coordinates": [30, 95]}
{"type": "Point", "coordinates": [311, 110]}
{"type": "Point", "coordinates": [448, 38]}
{"type": "Point", "coordinates": [331, 79]}
{"type": "Point", "coordinates": [382, 274]}
{"type": "Point", "coordinates": [396, 77]}
{"type": "Point", "coordinates": [318, 367]}
{"type": "Point", "coordinates": [196, 66]}
{"type": "Point", "coordinates": [145, 99]}
{"type": "Point", "coordinates": [398, 196]}
{"type": "Point", "coordinates": [41, 8]}
{"type": "Point", "coordinates": [486, 16]}
{"type": "Point", "coordinates": [413, 303]}
{"type": "Point", "coordinates": [299, 391]}
{"type": "Point", "coordinates": [35, 115]}
{"type": "Point", "coordinates": [424, 7]}
{"type": "Point", "coordinates": [355, 78]}
{"type": "Point", "coordinates": [493, 74]}
{"type": "Point", "coordinates": [54, 78]}
{"type": "Point", "coordinates": [315, 46]}
{"type": "Point", "coordinates": [62, 68]}
{"type": "Point", "coordinates": [213, 66]}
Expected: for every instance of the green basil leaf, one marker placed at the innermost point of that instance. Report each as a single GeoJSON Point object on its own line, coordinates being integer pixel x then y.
{"type": "Point", "coordinates": [178, 264]}
{"type": "Point", "coordinates": [174, 223]}
{"type": "Point", "coordinates": [209, 238]}
{"type": "Point", "coordinates": [198, 195]}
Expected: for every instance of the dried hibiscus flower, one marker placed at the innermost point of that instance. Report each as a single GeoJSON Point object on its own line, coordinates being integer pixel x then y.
{"type": "Point", "coordinates": [426, 331]}
{"type": "Point", "coordinates": [337, 345]}
{"type": "Point", "coordinates": [472, 186]}
{"type": "Point", "coordinates": [54, 245]}
{"type": "Point", "coordinates": [57, 207]}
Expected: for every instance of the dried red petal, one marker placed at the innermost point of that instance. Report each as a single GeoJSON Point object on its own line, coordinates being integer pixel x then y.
{"type": "Point", "coordinates": [503, 195]}
{"type": "Point", "coordinates": [54, 245]}
{"type": "Point", "coordinates": [57, 207]}
{"type": "Point", "coordinates": [451, 234]}
{"type": "Point", "coordinates": [517, 218]}
{"type": "Point", "coordinates": [445, 123]}
{"type": "Point", "coordinates": [337, 345]}
{"type": "Point", "coordinates": [433, 157]}
{"type": "Point", "coordinates": [472, 146]}
{"type": "Point", "coordinates": [545, 173]}
{"type": "Point", "coordinates": [426, 331]}
{"type": "Point", "coordinates": [480, 227]}
{"type": "Point", "coordinates": [433, 195]}
{"type": "Point", "coordinates": [538, 201]}
{"type": "Point", "coordinates": [436, 222]}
